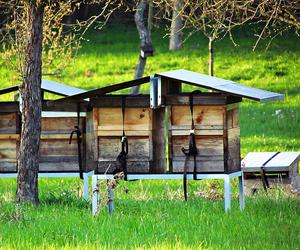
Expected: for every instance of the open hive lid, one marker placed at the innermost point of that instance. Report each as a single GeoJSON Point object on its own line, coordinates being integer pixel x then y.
{"type": "Point", "coordinates": [221, 85]}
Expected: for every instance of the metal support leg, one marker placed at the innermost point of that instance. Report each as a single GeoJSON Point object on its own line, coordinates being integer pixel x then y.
{"type": "Point", "coordinates": [95, 196]}
{"type": "Point", "coordinates": [86, 186]}
{"type": "Point", "coordinates": [241, 192]}
{"type": "Point", "coordinates": [227, 198]}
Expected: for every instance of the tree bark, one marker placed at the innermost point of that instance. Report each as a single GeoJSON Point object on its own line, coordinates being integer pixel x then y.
{"type": "Point", "coordinates": [211, 56]}
{"type": "Point", "coordinates": [145, 39]}
{"type": "Point", "coordinates": [150, 17]}
{"type": "Point", "coordinates": [176, 27]}
{"type": "Point", "coordinates": [139, 71]}
{"type": "Point", "coordinates": [30, 91]}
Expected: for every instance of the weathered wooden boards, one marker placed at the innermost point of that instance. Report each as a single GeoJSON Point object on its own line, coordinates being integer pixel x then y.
{"type": "Point", "coordinates": [56, 154]}
{"type": "Point", "coordinates": [217, 134]}
{"type": "Point", "coordinates": [9, 141]}
{"type": "Point", "coordinates": [58, 121]}
{"type": "Point", "coordinates": [143, 127]}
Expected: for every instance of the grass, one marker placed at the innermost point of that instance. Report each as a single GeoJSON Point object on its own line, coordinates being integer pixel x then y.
{"type": "Point", "coordinates": [152, 215]}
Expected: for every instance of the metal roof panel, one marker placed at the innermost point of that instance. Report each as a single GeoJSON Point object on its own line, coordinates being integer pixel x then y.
{"type": "Point", "coordinates": [226, 86]}
{"type": "Point", "coordinates": [59, 88]}
{"type": "Point", "coordinates": [49, 86]}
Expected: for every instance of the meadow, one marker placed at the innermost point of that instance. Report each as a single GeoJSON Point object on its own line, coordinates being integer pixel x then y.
{"type": "Point", "coordinates": [153, 214]}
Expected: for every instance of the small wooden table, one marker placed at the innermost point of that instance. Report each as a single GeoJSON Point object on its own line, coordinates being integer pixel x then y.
{"type": "Point", "coordinates": [279, 163]}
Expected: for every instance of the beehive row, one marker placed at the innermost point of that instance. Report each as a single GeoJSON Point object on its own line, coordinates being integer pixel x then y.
{"type": "Point", "coordinates": [155, 136]}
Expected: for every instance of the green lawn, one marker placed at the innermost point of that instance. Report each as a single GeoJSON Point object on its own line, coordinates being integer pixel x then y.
{"type": "Point", "coordinates": [152, 214]}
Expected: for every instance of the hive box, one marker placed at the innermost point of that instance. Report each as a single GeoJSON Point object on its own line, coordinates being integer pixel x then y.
{"type": "Point", "coordinates": [58, 121]}
{"type": "Point", "coordinates": [144, 128]}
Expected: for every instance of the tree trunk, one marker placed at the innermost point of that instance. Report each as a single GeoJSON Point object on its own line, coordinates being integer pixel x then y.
{"type": "Point", "coordinates": [28, 158]}
{"type": "Point", "coordinates": [176, 27]}
{"type": "Point", "coordinates": [145, 39]}
{"type": "Point", "coordinates": [211, 57]}
{"type": "Point", "coordinates": [139, 71]}
{"type": "Point", "coordinates": [150, 17]}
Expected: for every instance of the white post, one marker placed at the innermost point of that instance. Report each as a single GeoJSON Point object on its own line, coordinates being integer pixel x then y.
{"type": "Point", "coordinates": [86, 186]}
{"type": "Point", "coordinates": [227, 198]}
{"type": "Point", "coordinates": [241, 191]}
{"type": "Point", "coordinates": [95, 196]}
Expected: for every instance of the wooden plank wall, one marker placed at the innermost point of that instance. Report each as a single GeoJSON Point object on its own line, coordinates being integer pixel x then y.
{"type": "Point", "coordinates": [159, 136]}
{"type": "Point", "coordinates": [209, 123]}
{"type": "Point", "coordinates": [233, 126]}
{"type": "Point", "coordinates": [91, 154]}
{"type": "Point", "coordinates": [144, 128]}
{"type": "Point", "coordinates": [138, 129]}
{"type": "Point", "coordinates": [9, 141]}
{"type": "Point", "coordinates": [56, 154]}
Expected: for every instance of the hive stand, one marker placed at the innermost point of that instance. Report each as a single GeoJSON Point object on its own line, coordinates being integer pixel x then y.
{"type": "Point", "coordinates": [86, 176]}
{"type": "Point", "coordinates": [226, 177]}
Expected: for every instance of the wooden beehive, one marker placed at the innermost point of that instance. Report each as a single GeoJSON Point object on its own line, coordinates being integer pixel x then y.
{"type": "Point", "coordinates": [9, 136]}
{"type": "Point", "coordinates": [56, 154]}
{"type": "Point", "coordinates": [144, 129]}
{"type": "Point", "coordinates": [217, 133]}
{"type": "Point", "coordinates": [216, 117]}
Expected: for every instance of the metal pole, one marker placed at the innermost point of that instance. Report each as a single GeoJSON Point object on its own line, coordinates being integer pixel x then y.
{"type": "Point", "coordinates": [95, 197]}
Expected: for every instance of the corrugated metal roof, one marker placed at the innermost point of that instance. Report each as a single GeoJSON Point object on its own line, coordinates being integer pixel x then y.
{"type": "Point", "coordinates": [51, 87]}
{"type": "Point", "coordinates": [221, 85]}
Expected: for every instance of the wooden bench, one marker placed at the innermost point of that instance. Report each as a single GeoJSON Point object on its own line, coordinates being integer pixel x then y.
{"type": "Point", "coordinates": [274, 162]}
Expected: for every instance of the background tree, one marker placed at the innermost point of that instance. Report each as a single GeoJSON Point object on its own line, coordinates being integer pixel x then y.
{"type": "Point", "coordinates": [271, 16]}
{"type": "Point", "coordinates": [34, 36]}
{"type": "Point", "coordinates": [217, 18]}
{"type": "Point", "coordinates": [146, 47]}
{"type": "Point", "coordinates": [176, 33]}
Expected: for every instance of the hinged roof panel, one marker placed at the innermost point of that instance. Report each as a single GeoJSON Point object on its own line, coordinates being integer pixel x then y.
{"type": "Point", "coordinates": [221, 85]}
